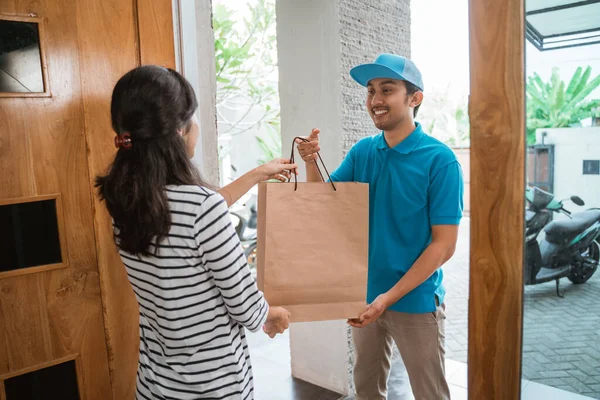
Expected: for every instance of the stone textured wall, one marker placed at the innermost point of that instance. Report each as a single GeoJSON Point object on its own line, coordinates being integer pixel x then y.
{"type": "Point", "coordinates": [367, 28]}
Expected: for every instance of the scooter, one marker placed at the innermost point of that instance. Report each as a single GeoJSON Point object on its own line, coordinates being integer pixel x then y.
{"type": "Point", "coordinates": [569, 248]}
{"type": "Point", "coordinates": [244, 217]}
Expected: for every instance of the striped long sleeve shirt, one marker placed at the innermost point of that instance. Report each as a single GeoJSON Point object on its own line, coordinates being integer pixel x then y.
{"type": "Point", "coordinates": [195, 296]}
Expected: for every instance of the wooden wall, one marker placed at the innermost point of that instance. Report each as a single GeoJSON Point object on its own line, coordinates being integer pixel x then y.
{"type": "Point", "coordinates": [149, 40]}
{"type": "Point", "coordinates": [53, 315]}
{"type": "Point", "coordinates": [55, 145]}
{"type": "Point", "coordinates": [497, 114]}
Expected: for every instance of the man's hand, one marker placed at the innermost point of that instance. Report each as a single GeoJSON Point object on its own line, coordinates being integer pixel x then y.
{"type": "Point", "coordinates": [279, 168]}
{"type": "Point", "coordinates": [278, 321]}
{"type": "Point", "coordinates": [308, 150]}
{"type": "Point", "coordinates": [371, 313]}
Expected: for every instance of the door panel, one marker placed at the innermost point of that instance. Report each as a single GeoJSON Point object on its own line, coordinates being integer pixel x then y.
{"type": "Point", "coordinates": [120, 51]}
{"type": "Point", "coordinates": [51, 315]}
{"type": "Point", "coordinates": [56, 146]}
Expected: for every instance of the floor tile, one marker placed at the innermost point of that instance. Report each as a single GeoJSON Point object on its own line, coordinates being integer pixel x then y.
{"type": "Point", "coordinates": [460, 377]}
{"type": "Point", "coordinates": [537, 391]}
{"type": "Point", "coordinates": [452, 367]}
{"type": "Point", "coordinates": [458, 393]}
{"type": "Point", "coordinates": [294, 389]}
{"type": "Point", "coordinates": [271, 366]}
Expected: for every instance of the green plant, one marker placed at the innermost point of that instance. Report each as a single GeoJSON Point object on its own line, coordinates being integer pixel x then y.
{"type": "Point", "coordinates": [270, 146]}
{"type": "Point", "coordinates": [245, 61]}
{"type": "Point", "coordinates": [552, 105]}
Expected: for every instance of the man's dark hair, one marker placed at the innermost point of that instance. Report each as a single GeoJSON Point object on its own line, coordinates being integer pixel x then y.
{"type": "Point", "coordinates": [410, 90]}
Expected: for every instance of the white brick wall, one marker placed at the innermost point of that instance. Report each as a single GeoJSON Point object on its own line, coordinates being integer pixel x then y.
{"type": "Point", "coordinates": [367, 28]}
{"type": "Point", "coordinates": [319, 41]}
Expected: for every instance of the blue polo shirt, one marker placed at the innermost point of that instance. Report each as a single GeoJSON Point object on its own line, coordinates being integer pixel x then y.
{"type": "Point", "coordinates": [412, 186]}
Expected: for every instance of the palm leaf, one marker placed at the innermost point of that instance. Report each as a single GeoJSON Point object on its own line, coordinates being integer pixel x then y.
{"type": "Point", "coordinates": [539, 84]}
{"type": "Point", "coordinates": [559, 100]}
{"type": "Point", "coordinates": [556, 88]}
{"type": "Point", "coordinates": [574, 82]}
{"type": "Point", "coordinates": [593, 85]}
{"type": "Point", "coordinates": [582, 82]}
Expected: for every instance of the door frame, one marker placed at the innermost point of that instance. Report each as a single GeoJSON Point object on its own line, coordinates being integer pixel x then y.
{"type": "Point", "coordinates": [497, 116]}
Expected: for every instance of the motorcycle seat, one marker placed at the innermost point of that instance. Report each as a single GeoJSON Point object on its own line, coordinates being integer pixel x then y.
{"type": "Point", "coordinates": [559, 232]}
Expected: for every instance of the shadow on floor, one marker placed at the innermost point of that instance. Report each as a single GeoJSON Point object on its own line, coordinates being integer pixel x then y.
{"type": "Point", "coordinates": [271, 365]}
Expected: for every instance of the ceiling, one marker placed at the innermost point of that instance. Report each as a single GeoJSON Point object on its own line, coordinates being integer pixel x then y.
{"type": "Point", "coordinates": [559, 24]}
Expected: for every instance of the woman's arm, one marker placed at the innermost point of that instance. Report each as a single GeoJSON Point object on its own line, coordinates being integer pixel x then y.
{"type": "Point", "coordinates": [223, 256]}
{"type": "Point", "coordinates": [279, 168]}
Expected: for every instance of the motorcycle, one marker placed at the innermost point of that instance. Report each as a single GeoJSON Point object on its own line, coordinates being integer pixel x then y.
{"type": "Point", "coordinates": [244, 218]}
{"type": "Point", "coordinates": [569, 247]}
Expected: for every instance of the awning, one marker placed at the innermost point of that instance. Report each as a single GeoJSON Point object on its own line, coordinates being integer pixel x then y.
{"type": "Point", "coordinates": [558, 24]}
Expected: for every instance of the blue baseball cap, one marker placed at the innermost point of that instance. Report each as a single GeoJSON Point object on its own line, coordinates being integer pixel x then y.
{"type": "Point", "coordinates": [388, 66]}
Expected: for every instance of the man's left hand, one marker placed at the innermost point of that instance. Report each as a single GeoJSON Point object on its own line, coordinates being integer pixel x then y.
{"type": "Point", "coordinates": [371, 313]}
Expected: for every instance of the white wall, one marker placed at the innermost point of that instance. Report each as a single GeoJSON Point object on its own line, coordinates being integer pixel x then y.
{"type": "Point", "coordinates": [308, 43]}
{"type": "Point", "coordinates": [571, 147]}
{"type": "Point", "coordinates": [197, 45]}
{"type": "Point", "coordinates": [318, 43]}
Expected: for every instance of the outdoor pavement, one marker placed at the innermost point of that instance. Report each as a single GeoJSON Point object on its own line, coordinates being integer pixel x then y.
{"type": "Point", "coordinates": [561, 338]}
{"type": "Point", "coordinates": [561, 343]}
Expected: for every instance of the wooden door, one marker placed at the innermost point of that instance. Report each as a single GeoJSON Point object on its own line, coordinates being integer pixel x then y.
{"type": "Point", "coordinates": [50, 313]}
{"type": "Point", "coordinates": [66, 308]}
{"type": "Point", "coordinates": [497, 115]}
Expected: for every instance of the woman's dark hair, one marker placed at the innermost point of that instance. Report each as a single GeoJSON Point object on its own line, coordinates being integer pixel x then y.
{"type": "Point", "coordinates": [410, 90]}
{"type": "Point", "coordinates": [151, 104]}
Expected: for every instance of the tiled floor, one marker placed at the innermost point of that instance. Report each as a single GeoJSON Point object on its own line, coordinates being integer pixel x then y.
{"type": "Point", "coordinates": [560, 336]}
{"type": "Point", "coordinates": [273, 380]}
{"type": "Point", "coordinates": [457, 379]}
{"type": "Point", "coordinates": [271, 366]}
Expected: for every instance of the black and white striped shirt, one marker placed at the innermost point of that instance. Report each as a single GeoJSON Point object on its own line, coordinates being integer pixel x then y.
{"type": "Point", "coordinates": [195, 298]}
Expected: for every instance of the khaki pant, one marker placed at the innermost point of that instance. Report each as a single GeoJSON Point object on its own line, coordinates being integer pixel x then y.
{"type": "Point", "coordinates": [420, 339]}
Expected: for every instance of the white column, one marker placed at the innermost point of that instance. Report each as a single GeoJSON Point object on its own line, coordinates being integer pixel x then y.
{"type": "Point", "coordinates": [308, 44]}
{"type": "Point", "coordinates": [197, 58]}
{"type": "Point", "coordinates": [318, 42]}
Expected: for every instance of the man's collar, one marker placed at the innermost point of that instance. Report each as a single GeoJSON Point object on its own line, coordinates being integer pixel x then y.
{"type": "Point", "coordinates": [405, 146]}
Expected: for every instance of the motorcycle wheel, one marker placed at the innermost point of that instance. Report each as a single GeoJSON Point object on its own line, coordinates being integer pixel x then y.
{"type": "Point", "coordinates": [591, 257]}
{"type": "Point", "coordinates": [250, 253]}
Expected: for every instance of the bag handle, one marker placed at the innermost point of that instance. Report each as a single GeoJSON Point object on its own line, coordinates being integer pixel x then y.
{"type": "Point", "coordinates": [316, 163]}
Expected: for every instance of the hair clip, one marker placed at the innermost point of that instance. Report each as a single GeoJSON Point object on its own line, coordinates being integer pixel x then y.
{"type": "Point", "coordinates": [123, 141]}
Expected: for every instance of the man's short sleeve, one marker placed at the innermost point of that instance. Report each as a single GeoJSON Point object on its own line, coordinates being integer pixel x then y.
{"type": "Point", "coordinates": [345, 172]}
{"type": "Point", "coordinates": [446, 195]}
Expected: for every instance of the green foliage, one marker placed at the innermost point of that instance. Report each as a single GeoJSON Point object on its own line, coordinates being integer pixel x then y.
{"type": "Point", "coordinates": [270, 146]}
{"type": "Point", "coordinates": [553, 104]}
{"type": "Point", "coordinates": [246, 67]}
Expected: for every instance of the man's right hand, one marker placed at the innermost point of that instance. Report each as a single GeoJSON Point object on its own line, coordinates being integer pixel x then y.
{"type": "Point", "coordinates": [308, 150]}
{"type": "Point", "coordinates": [278, 320]}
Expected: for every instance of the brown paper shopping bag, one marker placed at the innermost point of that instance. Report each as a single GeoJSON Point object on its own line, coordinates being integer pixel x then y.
{"type": "Point", "coordinates": [313, 248]}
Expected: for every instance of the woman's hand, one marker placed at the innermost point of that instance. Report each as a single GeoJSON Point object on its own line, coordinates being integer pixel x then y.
{"type": "Point", "coordinates": [278, 320]}
{"type": "Point", "coordinates": [279, 168]}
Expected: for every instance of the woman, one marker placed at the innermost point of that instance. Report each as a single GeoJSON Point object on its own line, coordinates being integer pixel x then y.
{"type": "Point", "coordinates": [183, 258]}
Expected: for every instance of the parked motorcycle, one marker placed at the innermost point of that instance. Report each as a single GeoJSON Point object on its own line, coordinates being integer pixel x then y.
{"type": "Point", "coordinates": [244, 218]}
{"type": "Point", "coordinates": [569, 247]}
